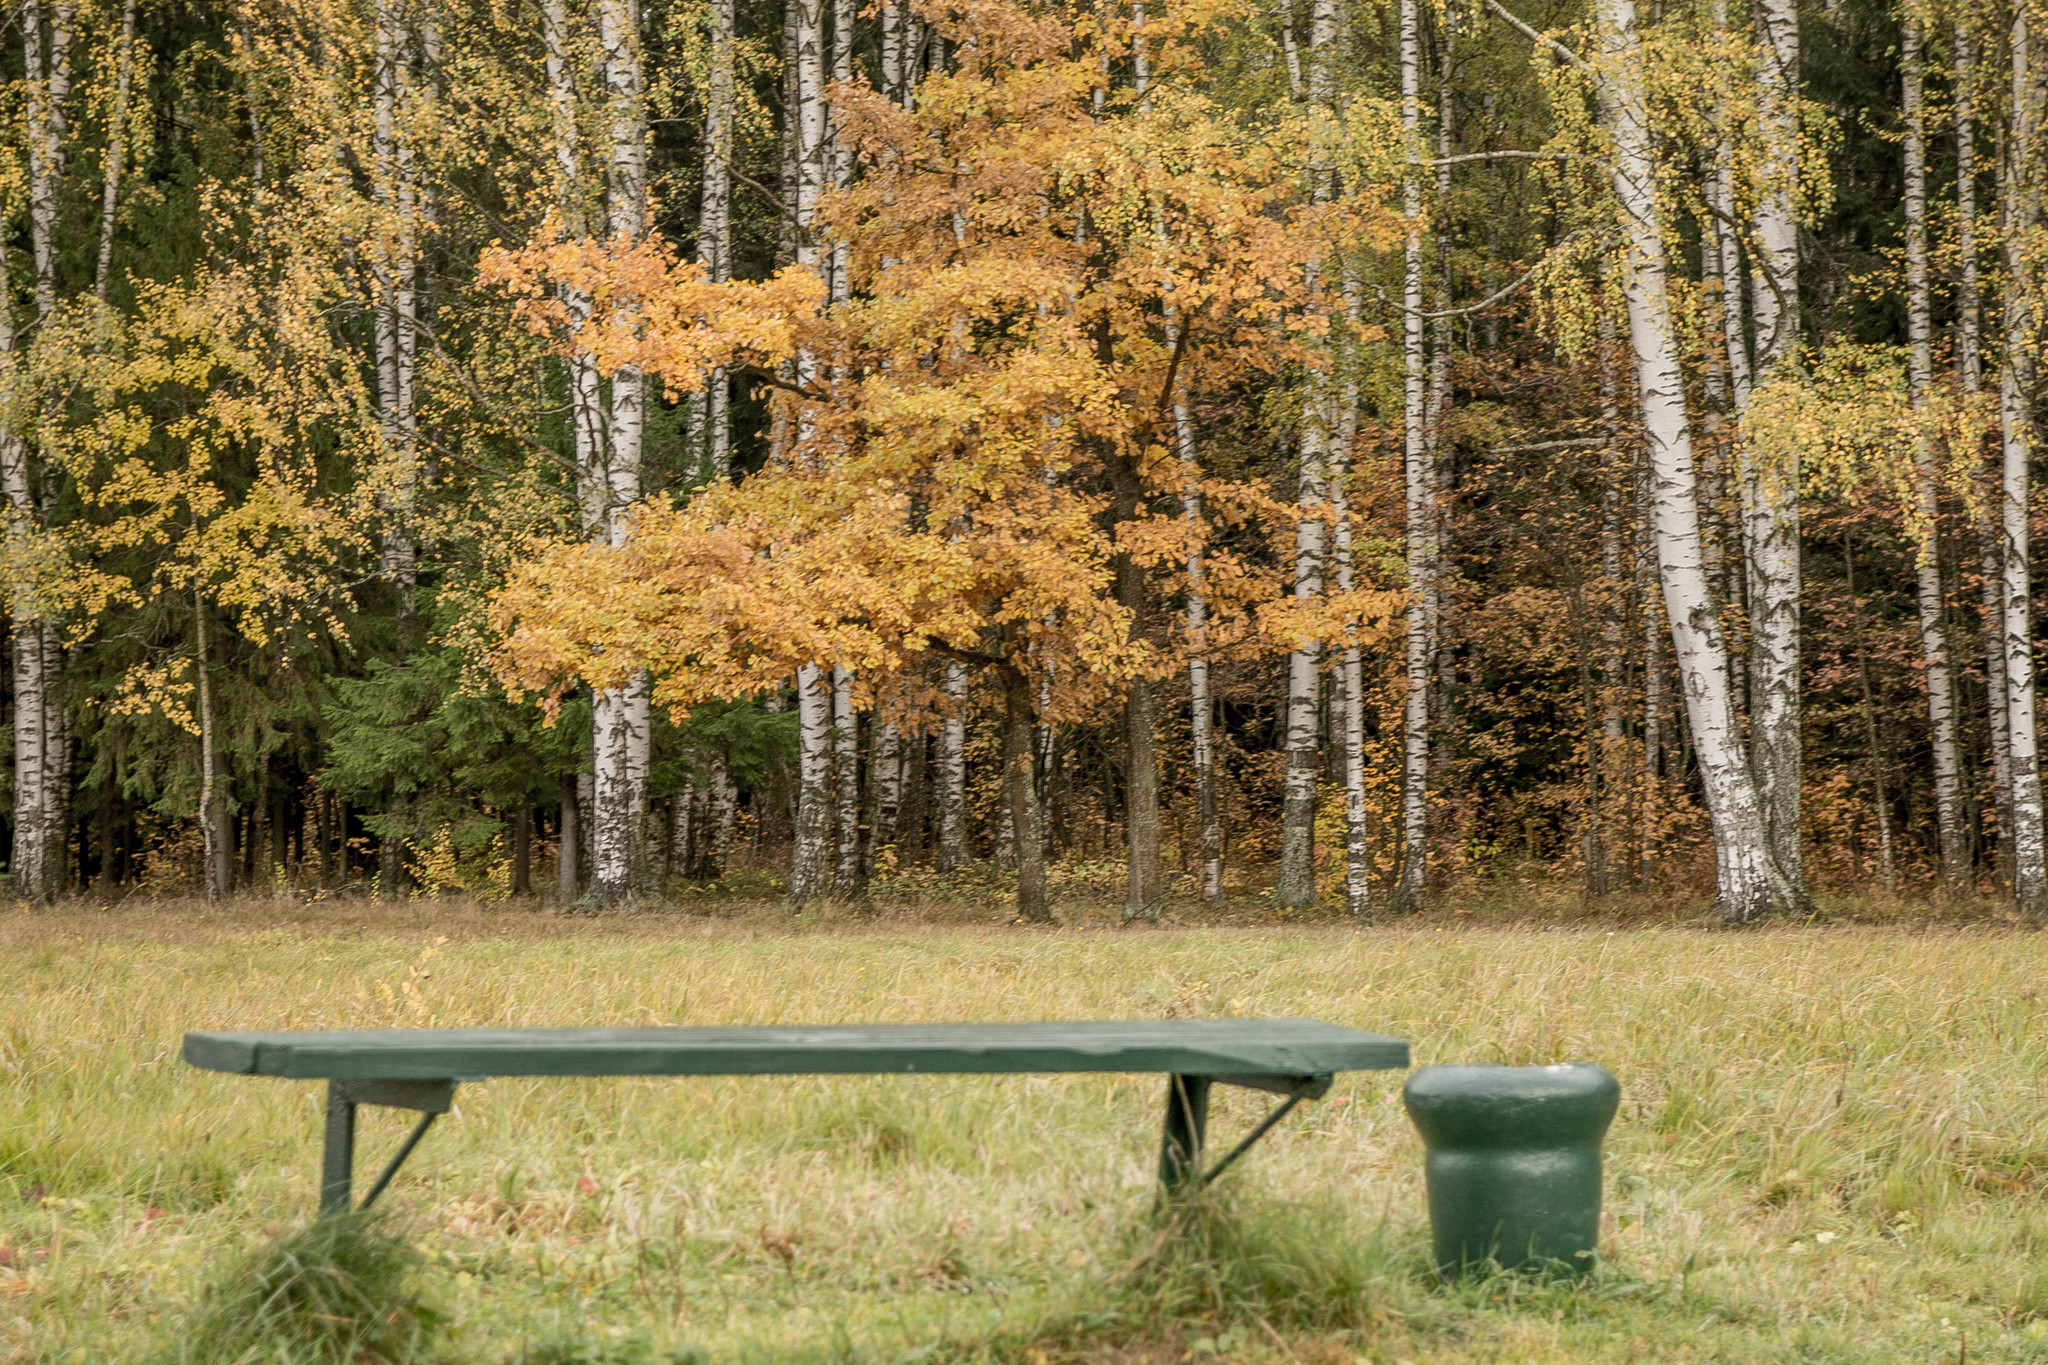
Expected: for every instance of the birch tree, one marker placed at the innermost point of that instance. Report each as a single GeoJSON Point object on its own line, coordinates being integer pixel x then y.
{"type": "Point", "coordinates": [1420, 500]}
{"type": "Point", "coordinates": [1770, 488]}
{"type": "Point", "coordinates": [42, 743]}
{"type": "Point", "coordinates": [115, 157]}
{"type": "Point", "coordinates": [2019, 193]}
{"type": "Point", "coordinates": [1986, 522]}
{"type": "Point", "coordinates": [1351, 667]}
{"type": "Point", "coordinates": [711, 431]}
{"type": "Point", "coordinates": [1920, 377]}
{"type": "Point", "coordinates": [622, 728]}
{"type": "Point", "coordinates": [1297, 875]}
{"type": "Point", "coordinates": [1749, 884]}
{"type": "Point", "coordinates": [811, 863]}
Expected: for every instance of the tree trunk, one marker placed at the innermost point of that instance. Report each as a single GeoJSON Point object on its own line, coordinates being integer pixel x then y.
{"type": "Point", "coordinates": [1351, 668]}
{"type": "Point", "coordinates": [222, 872]}
{"type": "Point", "coordinates": [1948, 797]}
{"type": "Point", "coordinates": [1991, 562]}
{"type": "Point", "coordinates": [847, 874]}
{"type": "Point", "coordinates": [568, 885]}
{"type": "Point", "coordinates": [1771, 482]}
{"type": "Point", "coordinates": [48, 127]}
{"type": "Point", "coordinates": [394, 268]}
{"type": "Point", "coordinates": [42, 772]}
{"type": "Point", "coordinates": [116, 153]}
{"type": "Point", "coordinates": [1297, 877]}
{"type": "Point", "coordinates": [952, 784]}
{"type": "Point", "coordinates": [1201, 706]}
{"type": "Point", "coordinates": [209, 834]}
{"type": "Point", "coordinates": [1021, 796]}
{"type": "Point", "coordinates": [1654, 701]}
{"type": "Point", "coordinates": [1749, 882]}
{"type": "Point", "coordinates": [1872, 742]}
{"type": "Point", "coordinates": [522, 851]}
{"type": "Point", "coordinates": [1146, 891]}
{"type": "Point", "coordinates": [721, 803]}
{"type": "Point", "coordinates": [2016, 419]}
{"type": "Point", "coordinates": [810, 873]}
{"type": "Point", "coordinates": [713, 440]}
{"type": "Point", "coordinates": [622, 717]}
{"type": "Point", "coordinates": [887, 759]}
{"type": "Point", "coordinates": [1421, 491]}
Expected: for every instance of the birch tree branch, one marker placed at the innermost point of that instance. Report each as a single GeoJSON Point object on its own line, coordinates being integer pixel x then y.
{"type": "Point", "coordinates": [1542, 39]}
{"type": "Point", "coordinates": [1572, 443]}
{"type": "Point", "coordinates": [1493, 298]}
{"type": "Point", "coordinates": [1507, 156]}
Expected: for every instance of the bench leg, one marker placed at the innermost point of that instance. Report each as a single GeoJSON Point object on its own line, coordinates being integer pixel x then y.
{"type": "Point", "coordinates": [338, 1160]}
{"type": "Point", "coordinates": [1187, 1125]}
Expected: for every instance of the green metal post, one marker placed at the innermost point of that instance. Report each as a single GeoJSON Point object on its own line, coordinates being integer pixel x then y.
{"type": "Point", "coordinates": [1187, 1127]}
{"type": "Point", "coordinates": [1513, 1161]}
{"type": "Point", "coordinates": [338, 1159]}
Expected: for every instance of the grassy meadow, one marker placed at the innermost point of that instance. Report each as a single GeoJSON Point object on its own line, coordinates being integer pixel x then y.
{"type": "Point", "coordinates": [1832, 1144]}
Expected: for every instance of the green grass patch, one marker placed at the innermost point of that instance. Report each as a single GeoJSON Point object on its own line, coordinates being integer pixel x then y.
{"type": "Point", "coordinates": [343, 1290]}
{"type": "Point", "coordinates": [1831, 1147]}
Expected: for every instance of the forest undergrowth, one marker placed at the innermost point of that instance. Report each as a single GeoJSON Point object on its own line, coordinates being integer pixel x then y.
{"type": "Point", "coordinates": [1832, 1144]}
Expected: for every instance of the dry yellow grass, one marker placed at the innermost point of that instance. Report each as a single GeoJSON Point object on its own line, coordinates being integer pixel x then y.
{"type": "Point", "coordinates": [1832, 1144]}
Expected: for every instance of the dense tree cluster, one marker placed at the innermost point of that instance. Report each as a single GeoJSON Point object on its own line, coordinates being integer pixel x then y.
{"type": "Point", "coordinates": [1354, 448]}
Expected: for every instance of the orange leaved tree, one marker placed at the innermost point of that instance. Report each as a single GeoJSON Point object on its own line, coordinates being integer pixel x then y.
{"type": "Point", "coordinates": [979, 465]}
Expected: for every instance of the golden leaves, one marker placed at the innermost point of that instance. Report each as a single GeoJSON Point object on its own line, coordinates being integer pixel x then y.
{"type": "Point", "coordinates": [636, 303]}
{"type": "Point", "coordinates": [971, 445]}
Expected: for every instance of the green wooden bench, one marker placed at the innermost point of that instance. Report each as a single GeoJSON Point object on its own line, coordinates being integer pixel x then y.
{"type": "Point", "coordinates": [418, 1069]}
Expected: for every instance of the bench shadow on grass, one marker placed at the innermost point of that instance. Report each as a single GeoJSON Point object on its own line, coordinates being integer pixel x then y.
{"type": "Point", "coordinates": [1208, 1279]}
{"type": "Point", "coordinates": [1220, 1276]}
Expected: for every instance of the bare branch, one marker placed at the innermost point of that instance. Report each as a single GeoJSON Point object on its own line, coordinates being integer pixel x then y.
{"type": "Point", "coordinates": [1507, 156]}
{"type": "Point", "coordinates": [1493, 298]}
{"type": "Point", "coordinates": [1575, 443]}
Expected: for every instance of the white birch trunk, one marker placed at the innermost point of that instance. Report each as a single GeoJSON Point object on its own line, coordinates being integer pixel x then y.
{"type": "Point", "coordinates": [952, 776]}
{"type": "Point", "coordinates": [1654, 699]}
{"type": "Point", "coordinates": [888, 758]}
{"type": "Point", "coordinates": [1351, 668]}
{"type": "Point", "coordinates": [1201, 705]}
{"type": "Point", "coordinates": [2021, 207]}
{"type": "Point", "coordinates": [622, 715]}
{"type": "Point", "coordinates": [116, 152]}
{"type": "Point", "coordinates": [809, 117]}
{"type": "Point", "coordinates": [213, 864]}
{"type": "Point", "coordinates": [1749, 884]}
{"type": "Point", "coordinates": [1771, 485]}
{"type": "Point", "coordinates": [846, 877]}
{"type": "Point", "coordinates": [1920, 376]}
{"type": "Point", "coordinates": [394, 269]}
{"type": "Point", "coordinates": [804, 23]}
{"type": "Point", "coordinates": [683, 834]}
{"type": "Point", "coordinates": [721, 803]}
{"type": "Point", "coordinates": [42, 771]}
{"type": "Point", "coordinates": [1297, 878]}
{"type": "Point", "coordinates": [586, 408]}
{"type": "Point", "coordinates": [1969, 344]}
{"type": "Point", "coordinates": [1290, 48]}
{"type": "Point", "coordinates": [1969, 350]}
{"type": "Point", "coordinates": [810, 875]}
{"type": "Point", "coordinates": [1420, 492]}
{"type": "Point", "coordinates": [711, 437]}
{"type": "Point", "coordinates": [48, 127]}
{"type": "Point", "coordinates": [894, 42]}
{"type": "Point", "coordinates": [1721, 205]}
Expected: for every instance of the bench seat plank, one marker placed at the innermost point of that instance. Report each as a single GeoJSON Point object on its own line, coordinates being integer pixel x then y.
{"type": "Point", "coordinates": [1195, 1047]}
